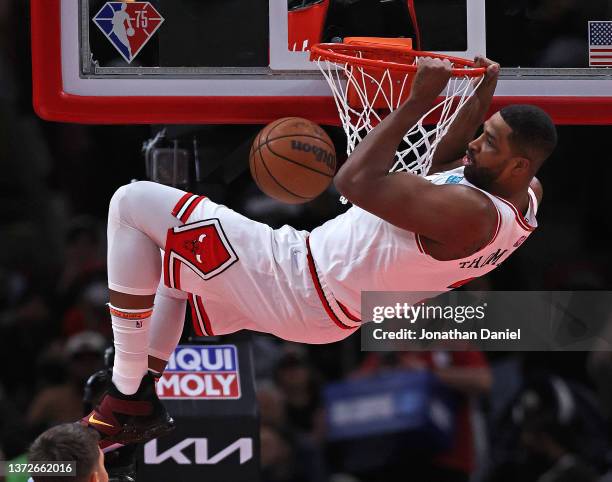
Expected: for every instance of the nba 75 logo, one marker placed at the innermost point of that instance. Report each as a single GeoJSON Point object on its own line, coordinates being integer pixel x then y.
{"type": "Point", "coordinates": [128, 25]}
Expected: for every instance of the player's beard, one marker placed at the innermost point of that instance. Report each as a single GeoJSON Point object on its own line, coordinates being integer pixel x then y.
{"type": "Point", "coordinates": [481, 177]}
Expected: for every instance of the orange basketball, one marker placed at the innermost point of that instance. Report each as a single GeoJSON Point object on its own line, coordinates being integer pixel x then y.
{"type": "Point", "coordinates": [292, 160]}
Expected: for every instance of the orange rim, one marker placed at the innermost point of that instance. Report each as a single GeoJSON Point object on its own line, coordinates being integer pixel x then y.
{"type": "Point", "coordinates": [346, 54]}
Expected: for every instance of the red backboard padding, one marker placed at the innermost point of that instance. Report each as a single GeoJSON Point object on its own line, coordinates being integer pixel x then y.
{"type": "Point", "coordinates": [52, 103]}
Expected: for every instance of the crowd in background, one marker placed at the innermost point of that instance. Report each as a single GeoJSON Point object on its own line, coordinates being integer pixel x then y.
{"type": "Point", "coordinates": [514, 423]}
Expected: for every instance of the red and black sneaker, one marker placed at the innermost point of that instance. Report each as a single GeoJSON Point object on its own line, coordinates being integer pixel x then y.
{"type": "Point", "coordinates": [126, 419]}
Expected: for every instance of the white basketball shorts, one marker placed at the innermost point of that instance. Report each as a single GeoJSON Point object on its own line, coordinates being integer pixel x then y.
{"type": "Point", "coordinates": [242, 274]}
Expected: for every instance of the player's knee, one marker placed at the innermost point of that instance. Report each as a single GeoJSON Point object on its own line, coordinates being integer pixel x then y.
{"type": "Point", "coordinates": [130, 194]}
{"type": "Point", "coordinates": [125, 197]}
{"type": "Point", "coordinates": [140, 191]}
{"type": "Point", "coordinates": [114, 207]}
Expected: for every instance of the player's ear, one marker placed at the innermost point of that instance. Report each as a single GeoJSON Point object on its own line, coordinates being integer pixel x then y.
{"type": "Point", "coordinates": [522, 165]}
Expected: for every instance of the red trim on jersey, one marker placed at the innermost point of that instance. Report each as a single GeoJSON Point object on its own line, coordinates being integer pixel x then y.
{"type": "Point", "coordinates": [519, 218]}
{"type": "Point", "coordinates": [175, 281]}
{"type": "Point", "coordinates": [195, 319]}
{"type": "Point", "coordinates": [347, 313]}
{"type": "Point", "coordinates": [200, 319]}
{"type": "Point", "coordinates": [181, 203]}
{"type": "Point", "coordinates": [167, 261]}
{"type": "Point", "coordinates": [205, 317]}
{"type": "Point", "coordinates": [460, 283]}
{"type": "Point", "coordinates": [191, 208]}
{"type": "Point", "coordinates": [185, 206]}
{"type": "Point", "coordinates": [176, 269]}
{"type": "Point", "coordinates": [319, 288]}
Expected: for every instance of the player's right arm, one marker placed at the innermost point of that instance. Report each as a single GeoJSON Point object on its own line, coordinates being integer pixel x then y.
{"type": "Point", "coordinates": [454, 216]}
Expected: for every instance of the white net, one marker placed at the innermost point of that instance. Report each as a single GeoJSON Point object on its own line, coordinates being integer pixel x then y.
{"type": "Point", "coordinates": [363, 97]}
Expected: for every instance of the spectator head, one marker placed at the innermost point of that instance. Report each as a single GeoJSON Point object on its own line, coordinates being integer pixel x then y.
{"type": "Point", "coordinates": [70, 442]}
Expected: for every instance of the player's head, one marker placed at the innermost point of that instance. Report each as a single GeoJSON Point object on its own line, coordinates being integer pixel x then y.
{"type": "Point", "coordinates": [70, 442]}
{"type": "Point", "coordinates": [514, 144]}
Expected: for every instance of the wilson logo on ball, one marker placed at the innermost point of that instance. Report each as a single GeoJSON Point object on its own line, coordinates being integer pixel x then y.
{"type": "Point", "coordinates": [292, 160]}
{"type": "Point", "coordinates": [321, 155]}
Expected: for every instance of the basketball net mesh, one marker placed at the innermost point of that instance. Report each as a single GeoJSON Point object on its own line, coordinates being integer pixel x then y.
{"type": "Point", "coordinates": [364, 98]}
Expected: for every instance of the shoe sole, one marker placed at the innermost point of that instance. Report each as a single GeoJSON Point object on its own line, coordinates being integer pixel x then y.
{"type": "Point", "coordinates": [134, 435]}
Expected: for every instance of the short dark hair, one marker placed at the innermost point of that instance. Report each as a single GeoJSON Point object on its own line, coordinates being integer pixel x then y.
{"type": "Point", "coordinates": [534, 134]}
{"type": "Point", "coordinates": [67, 442]}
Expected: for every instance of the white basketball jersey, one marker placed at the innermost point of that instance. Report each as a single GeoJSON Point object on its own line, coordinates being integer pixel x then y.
{"type": "Point", "coordinates": [358, 251]}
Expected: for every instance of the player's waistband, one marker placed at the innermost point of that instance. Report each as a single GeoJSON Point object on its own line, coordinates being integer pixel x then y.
{"type": "Point", "coordinates": [336, 310]}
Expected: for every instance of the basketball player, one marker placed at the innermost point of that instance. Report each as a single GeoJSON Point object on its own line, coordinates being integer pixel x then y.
{"type": "Point", "coordinates": [404, 233]}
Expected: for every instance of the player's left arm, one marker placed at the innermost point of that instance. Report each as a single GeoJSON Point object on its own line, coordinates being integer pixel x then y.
{"type": "Point", "coordinates": [451, 215]}
{"type": "Point", "coordinates": [375, 154]}
{"type": "Point", "coordinates": [453, 145]}
{"type": "Point", "coordinates": [455, 216]}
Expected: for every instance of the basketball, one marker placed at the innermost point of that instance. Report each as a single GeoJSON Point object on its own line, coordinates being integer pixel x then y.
{"type": "Point", "coordinates": [292, 160]}
{"type": "Point", "coordinates": [130, 32]}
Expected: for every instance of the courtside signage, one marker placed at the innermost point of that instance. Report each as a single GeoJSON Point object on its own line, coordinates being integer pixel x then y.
{"type": "Point", "coordinates": [128, 25]}
{"type": "Point", "coordinates": [203, 456]}
{"type": "Point", "coordinates": [203, 372]}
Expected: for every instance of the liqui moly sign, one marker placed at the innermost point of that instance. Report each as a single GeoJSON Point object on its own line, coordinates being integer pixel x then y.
{"type": "Point", "coordinates": [201, 372]}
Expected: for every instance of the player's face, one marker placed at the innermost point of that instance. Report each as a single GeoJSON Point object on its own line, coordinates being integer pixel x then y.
{"type": "Point", "coordinates": [488, 157]}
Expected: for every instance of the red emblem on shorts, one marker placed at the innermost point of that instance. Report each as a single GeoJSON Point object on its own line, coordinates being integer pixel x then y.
{"type": "Point", "coordinates": [202, 246]}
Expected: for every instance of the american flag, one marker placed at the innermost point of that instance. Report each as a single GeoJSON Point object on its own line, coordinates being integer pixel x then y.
{"type": "Point", "coordinates": [600, 44]}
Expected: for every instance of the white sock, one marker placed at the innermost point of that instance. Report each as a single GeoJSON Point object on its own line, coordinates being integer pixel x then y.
{"type": "Point", "coordinates": [131, 334]}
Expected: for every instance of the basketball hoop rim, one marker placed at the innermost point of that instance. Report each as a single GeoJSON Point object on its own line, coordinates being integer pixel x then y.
{"type": "Point", "coordinates": [328, 51]}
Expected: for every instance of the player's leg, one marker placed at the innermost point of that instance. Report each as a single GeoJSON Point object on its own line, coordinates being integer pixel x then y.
{"type": "Point", "coordinates": [139, 218]}
{"type": "Point", "coordinates": [166, 326]}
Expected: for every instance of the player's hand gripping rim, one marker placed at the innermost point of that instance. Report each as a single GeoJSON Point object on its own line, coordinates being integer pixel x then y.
{"type": "Point", "coordinates": [431, 78]}
{"type": "Point", "coordinates": [486, 89]}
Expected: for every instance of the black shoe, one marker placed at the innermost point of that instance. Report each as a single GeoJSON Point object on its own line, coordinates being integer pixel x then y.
{"type": "Point", "coordinates": [127, 419]}
{"type": "Point", "coordinates": [95, 388]}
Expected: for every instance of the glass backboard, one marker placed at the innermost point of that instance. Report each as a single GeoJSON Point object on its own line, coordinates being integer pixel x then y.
{"type": "Point", "coordinates": [187, 61]}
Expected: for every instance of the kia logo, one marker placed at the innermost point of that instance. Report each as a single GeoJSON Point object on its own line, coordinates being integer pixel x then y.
{"type": "Point", "coordinates": [244, 447]}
